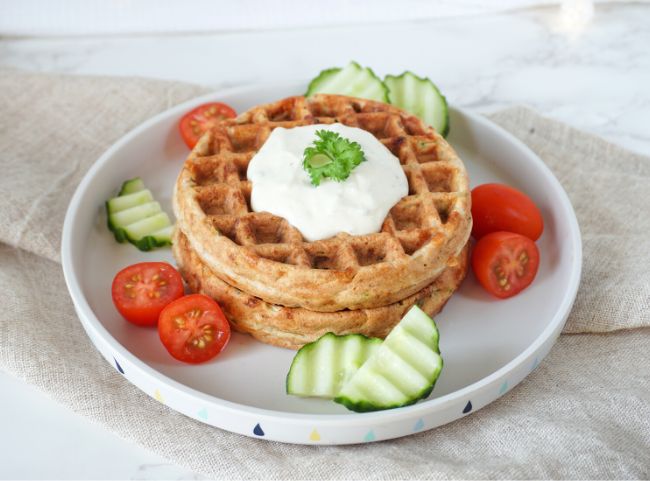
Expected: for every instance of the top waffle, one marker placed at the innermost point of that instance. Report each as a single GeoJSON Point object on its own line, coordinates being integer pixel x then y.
{"type": "Point", "coordinates": [264, 255]}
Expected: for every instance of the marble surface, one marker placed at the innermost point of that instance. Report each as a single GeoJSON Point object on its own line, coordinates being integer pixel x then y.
{"type": "Point", "coordinates": [593, 73]}
{"type": "Point", "coordinates": [43, 440]}
{"type": "Point", "coordinates": [594, 76]}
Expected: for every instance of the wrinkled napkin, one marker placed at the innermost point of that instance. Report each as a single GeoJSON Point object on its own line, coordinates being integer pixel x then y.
{"type": "Point", "coordinates": [584, 413]}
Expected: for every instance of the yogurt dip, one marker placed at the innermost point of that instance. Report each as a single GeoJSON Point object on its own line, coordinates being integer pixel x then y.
{"type": "Point", "coordinates": [358, 205]}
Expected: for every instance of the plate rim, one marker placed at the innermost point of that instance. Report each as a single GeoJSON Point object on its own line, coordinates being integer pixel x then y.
{"type": "Point", "coordinates": [90, 322]}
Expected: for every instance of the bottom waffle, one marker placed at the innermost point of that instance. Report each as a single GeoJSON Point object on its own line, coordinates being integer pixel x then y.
{"type": "Point", "coordinates": [292, 327]}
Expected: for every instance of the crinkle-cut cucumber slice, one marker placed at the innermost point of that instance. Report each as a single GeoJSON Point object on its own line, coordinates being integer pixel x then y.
{"type": "Point", "coordinates": [320, 368]}
{"type": "Point", "coordinates": [125, 217]}
{"type": "Point", "coordinates": [160, 238]}
{"type": "Point", "coordinates": [352, 80]}
{"type": "Point", "coordinates": [420, 97]}
{"type": "Point", "coordinates": [164, 235]}
{"type": "Point", "coordinates": [134, 216]}
{"type": "Point", "coordinates": [147, 226]}
{"type": "Point", "coordinates": [132, 185]}
{"type": "Point", "coordinates": [401, 371]}
{"type": "Point", "coordinates": [118, 204]}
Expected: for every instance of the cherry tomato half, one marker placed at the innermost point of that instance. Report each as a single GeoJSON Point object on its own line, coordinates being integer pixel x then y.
{"type": "Point", "coordinates": [142, 290]}
{"type": "Point", "coordinates": [193, 329]}
{"type": "Point", "coordinates": [505, 263]}
{"type": "Point", "coordinates": [498, 207]}
{"type": "Point", "coordinates": [196, 122]}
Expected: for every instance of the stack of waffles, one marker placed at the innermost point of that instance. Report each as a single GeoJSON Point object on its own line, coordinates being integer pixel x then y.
{"type": "Point", "coordinates": [286, 291]}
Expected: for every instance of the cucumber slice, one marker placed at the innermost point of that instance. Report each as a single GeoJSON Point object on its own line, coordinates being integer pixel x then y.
{"type": "Point", "coordinates": [420, 97]}
{"type": "Point", "coordinates": [320, 368]}
{"type": "Point", "coordinates": [160, 238]}
{"type": "Point", "coordinates": [132, 185]}
{"type": "Point", "coordinates": [147, 226]}
{"type": "Point", "coordinates": [118, 204]}
{"type": "Point", "coordinates": [133, 214]}
{"type": "Point", "coordinates": [352, 80]}
{"type": "Point", "coordinates": [135, 217]}
{"type": "Point", "coordinates": [164, 235]}
{"type": "Point", "coordinates": [401, 371]}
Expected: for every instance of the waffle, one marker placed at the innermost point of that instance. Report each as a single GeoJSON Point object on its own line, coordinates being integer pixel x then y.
{"type": "Point", "coordinates": [292, 327]}
{"type": "Point", "coordinates": [264, 255]}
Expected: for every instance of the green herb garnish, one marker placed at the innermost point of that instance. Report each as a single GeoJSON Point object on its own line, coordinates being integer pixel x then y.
{"type": "Point", "coordinates": [332, 156]}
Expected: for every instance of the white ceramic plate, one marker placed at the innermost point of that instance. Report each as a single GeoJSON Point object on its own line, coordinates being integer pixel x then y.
{"type": "Point", "coordinates": [488, 346]}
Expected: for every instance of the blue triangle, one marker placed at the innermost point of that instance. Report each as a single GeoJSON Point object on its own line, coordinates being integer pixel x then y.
{"type": "Point", "coordinates": [419, 425]}
{"type": "Point", "coordinates": [203, 413]}
{"type": "Point", "coordinates": [468, 407]}
{"type": "Point", "coordinates": [369, 437]}
{"type": "Point", "coordinates": [535, 364]}
{"type": "Point", "coordinates": [117, 365]}
{"type": "Point", "coordinates": [504, 387]}
{"type": "Point", "coordinates": [258, 430]}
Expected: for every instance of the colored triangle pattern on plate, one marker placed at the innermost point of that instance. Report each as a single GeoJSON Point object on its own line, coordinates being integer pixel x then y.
{"type": "Point", "coordinates": [117, 365]}
{"type": "Point", "coordinates": [535, 364]}
{"type": "Point", "coordinates": [419, 425]}
{"type": "Point", "coordinates": [504, 387]}
{"type": "Point", "coordinates": [158, 397]}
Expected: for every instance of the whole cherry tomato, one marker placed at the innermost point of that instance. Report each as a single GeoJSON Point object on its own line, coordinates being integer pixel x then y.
{"type": "Point", "coordinates": [196, 122]}
{"type": "Point", "coordinates": [498, 207]}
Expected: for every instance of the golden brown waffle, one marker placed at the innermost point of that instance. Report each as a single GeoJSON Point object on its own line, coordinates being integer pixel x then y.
{"type": "Point", "coordinates": [263, 255]}
{"type": "Point", "coordinates": [291, 327]}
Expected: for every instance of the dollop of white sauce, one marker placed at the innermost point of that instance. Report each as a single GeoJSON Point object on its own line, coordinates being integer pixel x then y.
{"type": "Point", "coordinates": [358, 205]}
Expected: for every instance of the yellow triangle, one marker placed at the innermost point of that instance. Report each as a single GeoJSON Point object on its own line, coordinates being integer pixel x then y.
{"type": "Point", "coordinates": [158, 397]}
{"type": "Point", "coordinates": [314, 436]}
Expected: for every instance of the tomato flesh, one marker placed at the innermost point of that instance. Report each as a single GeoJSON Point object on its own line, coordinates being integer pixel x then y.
{"type": "Point", "coordinates": [141, 291]}
{"type": "Point", "coordinates": [498, 207]}
{"type": "Point", "coordinates": [196, 122]}
{"type": "Point", "coordinates": [505, 263]}
{"type": "Point", "coordinates": [193, 329]}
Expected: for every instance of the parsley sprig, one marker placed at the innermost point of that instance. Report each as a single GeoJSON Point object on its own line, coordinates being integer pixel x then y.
{"type": "Point", "coordinates": [331, 156]}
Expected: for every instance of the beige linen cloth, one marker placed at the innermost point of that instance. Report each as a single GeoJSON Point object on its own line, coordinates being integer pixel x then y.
{"type": "Point", "coordinates": [584, 413]}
